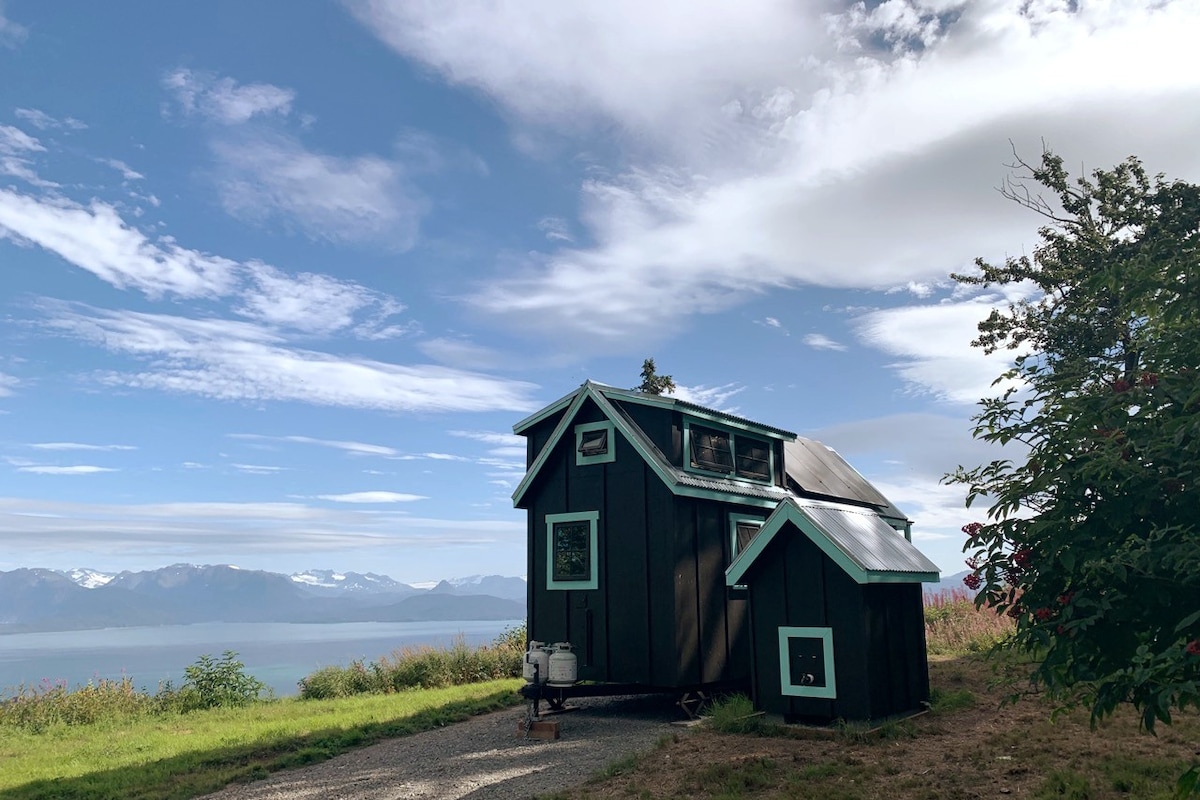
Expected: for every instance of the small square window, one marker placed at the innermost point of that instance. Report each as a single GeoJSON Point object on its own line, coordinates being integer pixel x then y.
{"type": "Point", "coordinates": [710, 449]}
{"type": "Point", "coordinates": [594, 443]}
{"type": "Point", "coordinates": [806, 662]}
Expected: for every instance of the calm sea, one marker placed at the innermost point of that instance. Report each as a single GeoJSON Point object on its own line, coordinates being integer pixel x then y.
{"type": "Point", "coordinates": [278, 654]}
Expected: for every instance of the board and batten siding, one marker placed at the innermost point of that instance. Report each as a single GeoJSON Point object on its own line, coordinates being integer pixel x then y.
{"type": "Point", "coordinates": [878, 634]}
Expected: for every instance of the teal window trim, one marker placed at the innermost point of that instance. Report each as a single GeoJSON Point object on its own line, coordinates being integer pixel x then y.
{"type": "Point", "coordinates": [734, 519]}
{"type": "Point", "coordinates": [608, 456]}
{"type": "Point", "coordinates": [829, 690]}
{"type": "Point", "coordinates": [593, 581]}
{"type": "Point", "coordinates": [733, 435]}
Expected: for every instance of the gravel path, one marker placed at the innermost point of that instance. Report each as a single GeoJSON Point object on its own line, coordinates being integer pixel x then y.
{"type": "Point", "coordinates": [480, 758]}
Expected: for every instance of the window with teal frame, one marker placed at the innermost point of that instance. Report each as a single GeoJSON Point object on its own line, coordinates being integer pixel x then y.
{"type": "Point", "coordinates": [594, 443]}
{"type": "Point", "coordinates": [742, 528]}
{"type": "Point", "coordinates": [729, 453]}
{"type": "Point", "coordinates": [572, 551]}
{"type": "Point", "coordinates": [806, 662]}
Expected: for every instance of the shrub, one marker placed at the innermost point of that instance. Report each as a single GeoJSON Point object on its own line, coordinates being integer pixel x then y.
{"type": "Point", "coordinates": [735, 714]}
{"type": "Point", "coordinates": [52, 703]}
{"type": "Point", "coordinates": [212, 683]}
{"type": "Point", "coordinates": [421, 668]}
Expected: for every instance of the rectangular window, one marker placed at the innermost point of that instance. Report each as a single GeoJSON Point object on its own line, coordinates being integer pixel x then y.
{"type": "Point", "coordinates": [594, 443]}
{"type": "Point", "coordinates": [806, 666]}
{"type": "Point", "coordinates": [753, 458]}
{"type": "Point", "coordinates": [710, 449]}
{"type": "Point", "coordinates": [572, 550]}
{"type": "Point", "coordinates": [728, 452]}
{"type": "Point", "coordinates": [742, 529]}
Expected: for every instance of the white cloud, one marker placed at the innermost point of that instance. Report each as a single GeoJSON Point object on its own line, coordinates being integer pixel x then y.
{"type": "Point", "coordinates": [202, 531]}
{"type": "Point", "coordinates": [242, 361]}
{"type": "Point", "coordinates": [127, 172]}
{"type": "Point", "coordinates": [555, 228]}
{"type": "Point", "coordinates": [80, 446]}
{"type": "Point", "coordinates": [81, 469]}
{"type": "Point", "coordinates": [96, 239]}
{"type": "Point", "coordinates": [372, 497]}
{"type": "Point", "coordinates": [43, 121]}
{"type": "Point", "coordinates": [224, 100]}
{"type": "Point", "coordinates": [11, 33]}
{"type": "Point", "coordinates": [15, 140]}
{"type": "Point", "coordinates": [7, 384]}
{"type": "Point", "coordinates": [767, 154]}
{"type": "Point", "coordinates": [716, 397]}
{"type": "Point", "coordinates": [264, 176]}
{"type": "Point", "coordinates": [258, 469]}
{"type": "Point", "coordinates": [933, 345]}
{"type": "Point", "coordinates": [316, 304]}
{"type": "Point", "coordinates": [356, 448]}
{"type": "Point", "coordinates": [819, 341]}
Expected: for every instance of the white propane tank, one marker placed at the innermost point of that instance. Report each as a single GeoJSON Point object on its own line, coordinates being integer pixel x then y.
{"type": "Point", "coordinates": [563, 665]}
{"type": "Point", "coordinates": [537, 662]}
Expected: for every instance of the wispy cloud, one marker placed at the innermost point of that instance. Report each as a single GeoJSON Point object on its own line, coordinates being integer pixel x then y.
{"type": "Point", "coordinates": [224, 100]}
{"type": "Point", "coordinates": [81, 469]}
{"type": "Point", "coordinates": [555, 228]}
{"type": "Point", "coordinates": [356, 448]}
{"type": "Point", "coordinates": [317, 304]}
{"type": "Point", "coordinates": [7, 384]}
{"type": "Point", "coordinates": [43, 121]}
{"type": "Point", "coordinates": [752, 130]}
{"type": "Point", "coordinates": [127, 172]}
{"type": "Point", "coordinates": [819, 341]}
{"type": "Point", "coordinates": [265, 173]}
{"type": "Point", "coordinates": [80, 446]}
{"type": "Point", "coordinates": [258, 469]}
{"type": "Point", "coordinates": [243, 361]}
{"type": "Point", "coordinates": [716, 397]}
{"type": "Point", "coordinates": [372, 497]}
{"type": "Point", "coordinates": [11, 33]}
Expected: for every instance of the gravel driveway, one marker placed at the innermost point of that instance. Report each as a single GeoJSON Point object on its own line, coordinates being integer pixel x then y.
{"type": "Point", "coordinates": [482, 757]}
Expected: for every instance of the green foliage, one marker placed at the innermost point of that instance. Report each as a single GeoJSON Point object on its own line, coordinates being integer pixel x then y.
{"type": "Point", "coordinates": [1091, 543]}
{"type": "Point", "coordinates": [38, 708]}
{"type": "Point", "coordinates": [213, 683]}
{"type": "Point", "coordinates": [652, 382]}
{"type": "Point", "coordinates": [735, 714]}
{"type": "Point", "coordinates": [946, 701]}
{"type": "Point", "coordinates": [1064, 785]}
{"type": "Point", "coordinates": [421, 668]}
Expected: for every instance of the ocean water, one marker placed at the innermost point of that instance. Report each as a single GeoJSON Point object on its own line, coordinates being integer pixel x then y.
{"type": "Point", "coordinates": [278, 654]}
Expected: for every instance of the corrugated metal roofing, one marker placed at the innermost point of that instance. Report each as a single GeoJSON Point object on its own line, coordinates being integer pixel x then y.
{"type": "Point", "coordinates": [866, 539]}
{"type": "Point", "coordinates": [613, 392]}
{"type": "Point", "coordinates": [817, 469]}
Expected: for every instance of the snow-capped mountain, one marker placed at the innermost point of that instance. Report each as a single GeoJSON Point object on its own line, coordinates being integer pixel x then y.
{"type": "Point", "coordinates": [332, 582]}
{"type": "Point", "coordinates": [88, 578]}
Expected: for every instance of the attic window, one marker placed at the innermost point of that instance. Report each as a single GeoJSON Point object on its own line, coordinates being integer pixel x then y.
{"type": "Point", "coordinates": [753, 458]}
{"type": "Point", "coordinates": [572, 550]}
{"type": "Point", "coordinates": [743, 532]}
{"type": "Point", "coordinates": [594, 443]}
{"type": "Point", "coordinates": [711, 450]}
{"type": "Point", "coordinates": [728, 452]}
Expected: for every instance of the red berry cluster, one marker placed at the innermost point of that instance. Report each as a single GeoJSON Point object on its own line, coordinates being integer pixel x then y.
{"type": "Point", "coordinates": [1193, 648]}
{"type": "Point", "coordinates": [973, 582]}
{"type": "Point", "coordinates": [1148, 379]}
{"type": "Point", "coordinates": [1022, 557]}
{"type": "Point", "coordinates": [972, 528]}
{"type": "Point", "coordinates": [1121, 385]}
{"type": "Point", "coordinates": [1065, 598]}
{"type": "Point", "coordinates": [1043, 614]}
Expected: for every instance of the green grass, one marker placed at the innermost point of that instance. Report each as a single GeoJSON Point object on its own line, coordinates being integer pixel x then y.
{"type": "Point", "coordinates": [184, 755]}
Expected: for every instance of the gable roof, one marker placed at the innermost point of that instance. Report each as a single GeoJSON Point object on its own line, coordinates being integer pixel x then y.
{"type": "Point", "coordinates": [857, 539]}
{"type": "Point", "coordinates": [679, 481]}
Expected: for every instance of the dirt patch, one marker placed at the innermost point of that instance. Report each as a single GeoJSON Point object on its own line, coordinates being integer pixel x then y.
{"type": "Point", "coordinates": [979, 749]}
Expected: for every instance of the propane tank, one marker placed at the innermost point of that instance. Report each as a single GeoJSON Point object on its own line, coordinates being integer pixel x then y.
{"type": "Point", "coordinates": [537, 663]}
{"type": "Point", "coordinates": [563, 665]}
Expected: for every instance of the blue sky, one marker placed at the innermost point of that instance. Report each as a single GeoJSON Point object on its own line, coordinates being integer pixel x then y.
{"type": "Point", "coordinates": [279, 278]}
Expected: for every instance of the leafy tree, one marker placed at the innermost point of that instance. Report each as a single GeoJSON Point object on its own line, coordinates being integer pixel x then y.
{"type": "Point", "coordinates": [1092, 542]}
{"type": "Point", "coordinates": [652, 382]}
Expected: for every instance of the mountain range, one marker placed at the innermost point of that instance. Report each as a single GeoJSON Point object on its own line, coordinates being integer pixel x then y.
{"type": "Point", "coordinates": [34, 599]}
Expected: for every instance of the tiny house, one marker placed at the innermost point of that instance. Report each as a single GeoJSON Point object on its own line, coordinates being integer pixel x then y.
{"type": "Point", "coordinates": [679, 547]}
